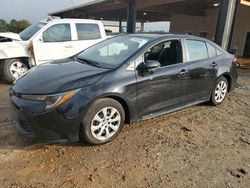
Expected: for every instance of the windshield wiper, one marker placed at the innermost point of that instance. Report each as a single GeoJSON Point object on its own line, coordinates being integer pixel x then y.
{"type": "Point", "coordinates": [92, 63]}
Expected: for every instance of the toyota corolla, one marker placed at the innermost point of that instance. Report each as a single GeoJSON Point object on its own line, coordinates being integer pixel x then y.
{"type": "Point", "coordinates": [121, 80]}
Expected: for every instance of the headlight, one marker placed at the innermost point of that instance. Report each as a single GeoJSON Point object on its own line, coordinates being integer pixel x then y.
{"type": "Point", "coordinates": [51, 101]}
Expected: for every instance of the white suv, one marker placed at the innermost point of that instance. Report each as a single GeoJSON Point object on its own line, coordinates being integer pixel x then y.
{"type": "Point", "coordinates": [46, 41]}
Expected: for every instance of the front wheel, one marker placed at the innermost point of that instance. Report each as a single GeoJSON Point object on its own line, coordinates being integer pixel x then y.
{"type": "Point", "coordinates": [103, 122]}
{"type": "Point", "coordinates": [12, 69]}
{"type": "Point", "coordinates": [220, 91]}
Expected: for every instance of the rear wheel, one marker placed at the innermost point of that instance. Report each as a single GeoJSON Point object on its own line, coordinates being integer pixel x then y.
{"type": "Point", "coordinates": [220, 91]}
{"type": "Point", "coordinates": [103, 122]}
{"type": "Point", "coordinates": [12, 69]}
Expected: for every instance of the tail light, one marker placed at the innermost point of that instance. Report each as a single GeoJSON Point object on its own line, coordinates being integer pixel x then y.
{"type": "Point", "coordinates": [236, 62]}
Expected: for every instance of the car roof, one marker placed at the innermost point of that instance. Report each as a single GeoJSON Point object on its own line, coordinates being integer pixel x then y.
{"type": "Point", "coordinates": [70, 20]}
{"type": "Point", "coordinates": [165, 35]}
{"type": "Point", "coordinates": [161, 36]}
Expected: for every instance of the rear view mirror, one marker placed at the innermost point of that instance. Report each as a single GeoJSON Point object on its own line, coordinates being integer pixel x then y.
{"type": "Point", "coordinates": [152, 64]}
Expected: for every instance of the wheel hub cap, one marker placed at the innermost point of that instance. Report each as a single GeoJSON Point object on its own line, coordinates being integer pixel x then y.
{"type": "Point", "coordinates": [17, 69]}
{"type": "Point", "coordinates": [105, 123]}
{"type": "Point", "coordinates": [220, 91]}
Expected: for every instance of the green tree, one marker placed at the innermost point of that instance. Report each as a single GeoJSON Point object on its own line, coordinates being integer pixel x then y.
{"type": "Point", "coordinates": [3, 25]}
{"type": "Point", "coordinates": [22, 24]}
{"type": "Point", "coordinates": [14, 25]}
{"type": "Point", "coordinates": [13, 22]}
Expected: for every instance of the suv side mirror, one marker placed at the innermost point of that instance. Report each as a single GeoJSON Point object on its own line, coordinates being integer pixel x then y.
{"type": "Point", "coordinates": [152, 64]}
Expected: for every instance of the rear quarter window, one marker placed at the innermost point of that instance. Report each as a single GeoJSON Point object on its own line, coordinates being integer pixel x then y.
{"type": "Point", "coordinates": [88, 31]}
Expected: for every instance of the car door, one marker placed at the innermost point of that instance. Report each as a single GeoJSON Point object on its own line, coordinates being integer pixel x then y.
{"type": "Point", "coordinates": [54, 43]}
{"type": "Point", "coordinates": [201, 67]}
{"type": "Point", "coordinates": [86, 35]}
{"type": "Point", "coordinates": [163, 89]}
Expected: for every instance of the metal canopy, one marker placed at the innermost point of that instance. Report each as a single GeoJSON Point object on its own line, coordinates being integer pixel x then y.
{"type": "Point", "coordinates": [156, 10]}
{"type": "Point", "coordinates": [146, 10]}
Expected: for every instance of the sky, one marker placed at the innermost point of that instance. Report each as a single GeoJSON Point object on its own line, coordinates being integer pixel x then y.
{"type": "Point", "coordinates": [35, 10]}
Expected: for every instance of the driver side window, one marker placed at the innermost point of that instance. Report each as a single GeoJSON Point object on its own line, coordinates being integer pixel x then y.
{"type": "Point", "coordinates": [57, 33]}
{"type": "Point", "coordinates": [167, 53]}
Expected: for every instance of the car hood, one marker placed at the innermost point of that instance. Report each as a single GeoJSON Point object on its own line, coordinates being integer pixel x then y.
{"type": "Point", "coordinates": [58, 77]}
{"type": "Point", "coordinates": [12, 36]}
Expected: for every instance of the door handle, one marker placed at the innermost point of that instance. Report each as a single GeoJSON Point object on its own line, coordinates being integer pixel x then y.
{"type": "Point", "coordinates": [68, 46]}
{"type": "Point", "coordinates": [213, 64]}
{"type": "Point", "coordinates": [183, 72]}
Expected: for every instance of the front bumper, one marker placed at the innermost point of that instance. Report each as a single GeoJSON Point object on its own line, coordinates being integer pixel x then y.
{"type": "Point", "coordinates": [62, 123]}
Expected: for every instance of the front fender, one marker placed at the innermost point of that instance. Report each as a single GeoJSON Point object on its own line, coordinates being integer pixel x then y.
{"type": "Point", "coordinates": [129, 104]}
{"type": "Point", "coordinates": [13, 50]}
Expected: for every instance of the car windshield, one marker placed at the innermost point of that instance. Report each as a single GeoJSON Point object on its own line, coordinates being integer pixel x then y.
{"type": "Point", "coordinates": [113, 52]}
{"type": "Point", "coordinates": [31, 30]}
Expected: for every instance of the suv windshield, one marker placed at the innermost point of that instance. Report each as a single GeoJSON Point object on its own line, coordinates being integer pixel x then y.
{"type": "Point", "coordinates": [113, 52]}
{"type": "Point", "coordinates": [31, 30]}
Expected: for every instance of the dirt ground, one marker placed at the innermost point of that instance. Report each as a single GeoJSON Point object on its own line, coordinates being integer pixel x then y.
{"type": "Point", "coordinates": [201, 146]}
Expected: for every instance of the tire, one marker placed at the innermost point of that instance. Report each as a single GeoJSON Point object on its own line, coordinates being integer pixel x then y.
{"type": "Point", "coordinates": [11, 69]}
{"type": "Point", "coordinates": [95, 126]}
{"type": "Point", "coordinates": [219, 92]}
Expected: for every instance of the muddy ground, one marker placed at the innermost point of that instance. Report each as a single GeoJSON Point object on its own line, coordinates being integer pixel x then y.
{"type": "Point", "coordinates": [202, 146]}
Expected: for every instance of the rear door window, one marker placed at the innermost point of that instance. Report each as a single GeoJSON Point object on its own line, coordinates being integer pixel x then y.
{"type": "Point", "coordinates": [88, 31]}
{"type": "Point", "coordinates": [197, 50]}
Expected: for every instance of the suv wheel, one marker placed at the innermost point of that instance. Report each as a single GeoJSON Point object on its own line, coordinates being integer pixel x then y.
{"type": "Point", "coordinates": [103, 122]}
{"type": "Point", "coordinates": [220, 91]}
{"type": "Point", "coordinates": [12, 69]}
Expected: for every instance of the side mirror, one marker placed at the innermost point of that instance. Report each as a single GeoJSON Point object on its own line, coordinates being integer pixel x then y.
{"type": "Point", "coordinates": [152, 64]}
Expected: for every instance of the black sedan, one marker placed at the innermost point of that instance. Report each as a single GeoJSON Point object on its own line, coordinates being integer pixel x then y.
{"type": "Point", "coordinates": [127, 78]}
